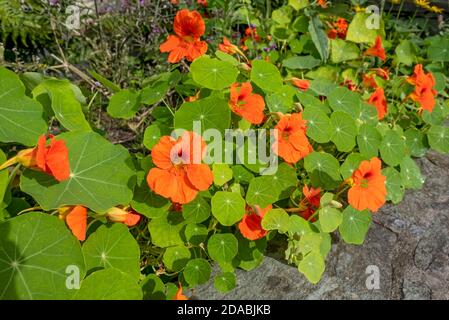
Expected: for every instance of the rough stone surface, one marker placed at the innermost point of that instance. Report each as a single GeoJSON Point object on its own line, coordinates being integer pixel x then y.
{"type": "Point", "coordinates": [409, 243]}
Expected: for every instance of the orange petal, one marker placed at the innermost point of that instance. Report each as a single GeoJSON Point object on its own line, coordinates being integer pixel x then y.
{"type": "Point", "coordinates": [57, 160]}
{"type": "Point", "coordinates": [77, 222]}
{"type": "Point", "coordinates": [170, 44]}
{"type": "Point", "coordinates": [132, 219]}
{"type": "Point", "coordinates": [41, 151]}
{"type": "Point", "coordinates": [160, 153]}
{"type": "Point", "coordinates": [200, 176]}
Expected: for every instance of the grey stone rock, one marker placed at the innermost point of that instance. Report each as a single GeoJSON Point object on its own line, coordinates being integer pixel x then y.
{"type": "Point", "coordinates": [409, 243]}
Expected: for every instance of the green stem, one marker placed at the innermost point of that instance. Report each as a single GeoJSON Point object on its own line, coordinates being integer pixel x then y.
{"type": "Point", "coordinates": [13, 174]}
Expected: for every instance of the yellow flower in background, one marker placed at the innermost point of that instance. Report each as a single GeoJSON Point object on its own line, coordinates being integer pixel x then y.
{"type": "Point", "coordinates": [436, 9]}
{"type": "Point", "coordinates": [358, 8]}
{"type": "Point", "coordinates": [422, 3]}
{"type": "Point", "coordinates": [395, 1]}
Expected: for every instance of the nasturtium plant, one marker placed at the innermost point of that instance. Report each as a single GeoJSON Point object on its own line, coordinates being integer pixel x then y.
{"type": "Point", "coordinates": [296, 131]}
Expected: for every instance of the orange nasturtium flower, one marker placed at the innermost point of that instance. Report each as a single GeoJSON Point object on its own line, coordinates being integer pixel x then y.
{"type": "Point", "coordinates": [340, 29]}
{"type": "Point", "coordinates": [378, 100]}
{"type": "Point", "coordinates": [368, 190]}
{"type": "Point", "coordinates": [189, 27]}
{"type": "Point", "coordinates": [291, 142]}
{"type": "Point", "coordinates": [227, 47]}
{"type": "Point", "coordinates": [179, 295]}
{"type": "Point", "coordinates": [246, 104]}
{"type": "Point", "coordinates": [52, 159]}
{"type": "Point", "coordinates": [377, 50]}
{"type": "Point", "coordinates": [126, 216]}
{"type": "Point", "coordinates": [311, 201]}
{"type": "Point", "coordinates": [179, 174]}
{"type": "Point", "coordinates": [76, 219]}
{"type": "Point", "coordinates": [202, 3]}
{"type": "Point", "coordinates": [369, 81]}
{"type": "Point", "coordinates": [301, 84]}
{"type": "Point", "coordinates": [424, 93]}
{"type": "Point", "coordinates": [322, 3]}
{"type": "Point", "coordinates": [251, 225]}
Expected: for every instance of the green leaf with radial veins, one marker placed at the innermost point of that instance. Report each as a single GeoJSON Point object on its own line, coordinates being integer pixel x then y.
{"type": "Point", "coordinates": [112, 247]}
{"type": "Point", "coordinates": [276, 219]}
{"type": "Point", "coordinates": [395, 189]}
{"type": "Point", "coordinates": [301, 62]}
{"type": "Point", "coordinates": [109, 284]}
{"type": "Point", "coordinates": [102, 176]}
{"type": "Point", "coordinates": [166, 230]}
{"type": "Point", "coordinates": [21, 118]}
{"type": "Point", "coordinates": [66, 107]}
{"type": "Point", "coordinates": [343, 51]}
{"type": "Point", "coordinates": [225, 282]}
{"type": "Point", "coordinates": [312, 266]}
{"type": "Point", "coordinates": [124, 104]}
{"type": "Point", "coordinates": [36, 251]}
{"type": "Point", "coordinates": [343, 99]}
{"type": "Point", "coordinates": [359, 31]}
{"type": "Point", "coordinates": [411, 174]}
{"type": "Point", "coordinates": [266, 76]}
{"type": "Point", "coordinates": [392, 148]}
{"type": "Point", "coordinates": [175, 258]}
{"type": "Point", "coordinates": [228, 207]}
{"type": "Point", "coordinates": [416, 142]}
{"type": "Point", "coordinates": [323, 169]}
{"type": "Point", "coordinates": [345, 131]}
{"type": "Point", "coordinates": [355, 225]}
{"type": "Point", "coordinates": [439, 138]}
{"type": "Point", "coordinates": [261, 192]}
{"type": "Point", "coordinates": [330, 218]}
{"type": "Point", "coordinates": [319, 126]}
{"type": "Point", "coordinates": [369, 140]}
{"type": "Point", "coordinates": [3, 177]}
{"type": "Point", "coordinates": [197, 271]}
{"type": "Point", "coordinates": [222, 247]}
{"type": "Point", "coordinates": [211, 113]}
{"type": "Point", "coordinates": [212, 73]}
{"type": "Point", "coordinates": [319, 37]}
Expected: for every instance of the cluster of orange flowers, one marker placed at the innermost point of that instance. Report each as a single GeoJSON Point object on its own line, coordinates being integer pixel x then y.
{"type": "Point", "coordinates": [424, 93]}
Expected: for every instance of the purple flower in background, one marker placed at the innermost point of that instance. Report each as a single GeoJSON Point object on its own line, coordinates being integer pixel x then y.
{"type": "Point", "coordinates": [53, 2]}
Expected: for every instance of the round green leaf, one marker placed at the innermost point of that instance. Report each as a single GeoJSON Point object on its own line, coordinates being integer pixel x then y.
{"type": "Point", "coordinates": [175, 258]}
{"type": "Point", "coordinates": [343, 99]}
{"type": "Point", "coordinates": [197, 271]}
{"type": "Point", "coordinates": [330, 219]}
{"type": "Point", "coordinates": [319, 126]}
{"type": "Point", "coordinates": [355, 225]}
{"type": "Point", "coordinates": [222, 173]}
{"type": "Point", "coordinates": [212, 73]}
{"type": "Point", "coordinates": [153, 288]}
{"type": "Point", "coordinates": [101, 176]}
{"type": "Point", "coordinates": [392, 148]}
{"type": "Point", "coordinates": [222, 247]}
{"type": "Point", "coordinates": [155, 93]}
{"type": "Point", "coordinates": [309, 242]}
{"type": "Point", "coordinates": [196, 233]}
{"type": "Point", "coordinates": [266, 76]}
{"type": "Point", "coordinates": [411, 174]}
{"type": "Point", "coordinates": [369, 140]}
{"type": "Point", "coordinates": [298, 225]}
{"type": "Point", "coordinates": [359, 30]}
{"type": "Point", "coordinates": [241, 174]}
{"type": "Point", "coordinates": [228, 207]}
{"type": "Point", "coordinates": [276, 219]}
{"type": "Point", "coordinates": [21, 118]}
{"type": "Point", "coordinates": [395, 189]}
{"type": "Point", "coordinates": [211, 113]}
{"type": "Point", "coordinates": [38, 255]}
{"type": "Point", "coordinates": [406, 52]}
{"type": "Point", "coordinates": [225, 282]}
{"type": "Point", "coordinates": [165, 231]}
{"type": "Point", "coordinates": [345, 131]}
{"type": "Point", "coordinates": [112, 247]}
{"type": "Point", "coordinates": [439, 138]}
{"type": "Point", "coordinates": [109, 284]}
{"type": "Point", "coordinates": [196, 211]}
{"type": "Point", "coordinates": [416, 142]}
{"type": "Point", "coordinates": [261, 192]}
{"type": "Point", "coordinates": [343, 51]}
{"type": "Point", "coordinates": [124, 104]}
{"type": "Point", "coordinates": [323, 169]}
{"type": "Point", "coordinates": [312, 266]}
